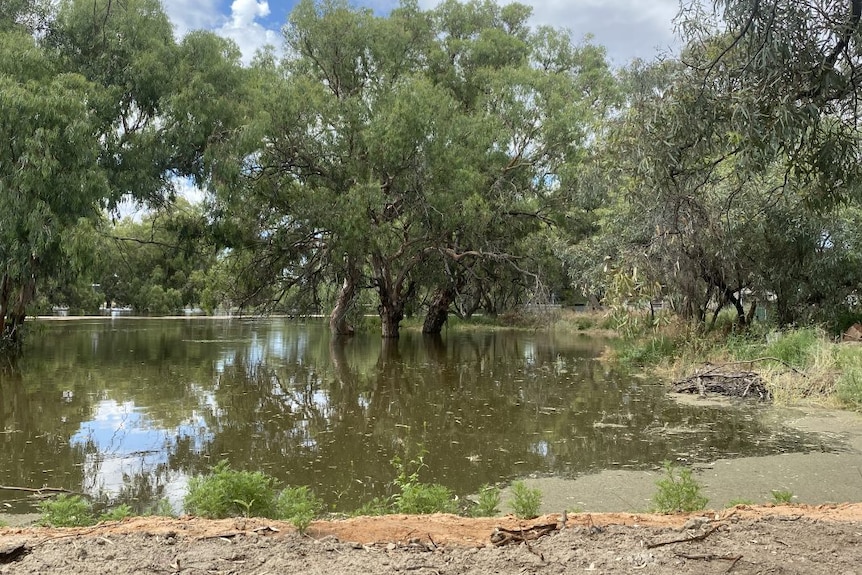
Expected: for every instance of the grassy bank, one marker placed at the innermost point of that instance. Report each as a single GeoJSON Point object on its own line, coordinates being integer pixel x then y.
{"type": "Point", "coordinates": [798, 365]}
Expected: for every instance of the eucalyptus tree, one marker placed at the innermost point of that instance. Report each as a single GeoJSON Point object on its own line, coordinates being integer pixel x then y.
{"type": "Point", "coordinates": [46, 178]}
{"type": "Point", "coordinates": [755, 123]}
{"type": "Point", "coordinates": [401, 146]}
{"type": "Point", "coordinates": [94, 111]}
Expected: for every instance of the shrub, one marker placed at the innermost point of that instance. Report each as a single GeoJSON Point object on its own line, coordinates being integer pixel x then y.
{"type": "Point", "coordinates": [226, 492]}
{"type": "Point", "coordinates": [489, 502]}
{"type": "Point", "coordinates": [425, 498]}
{"type": "Point", "coordinates": [298, 505]}
{"type": "Point", "coordinates": [66, 511]}
{"type": "Point", "coordinates": [678, 491]}
{"type": "Point", "coordinates": [419, 498]}
{"type": "Point", "coordinates": [525, 501]}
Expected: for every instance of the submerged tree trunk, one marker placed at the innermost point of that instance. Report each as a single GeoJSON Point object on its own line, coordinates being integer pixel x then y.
{"type": "Point", "coordinates": [338, 324]}
{"type": "Point", "coordinates": [13, 311]}
{"type": "Point", "coordinates": [391, 314]}
{"type": "Point", "coordinates": [438, 311]}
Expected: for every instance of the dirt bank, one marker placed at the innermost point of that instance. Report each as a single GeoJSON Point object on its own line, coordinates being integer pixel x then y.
{"type": "Point", "coordinates": [788, 539]}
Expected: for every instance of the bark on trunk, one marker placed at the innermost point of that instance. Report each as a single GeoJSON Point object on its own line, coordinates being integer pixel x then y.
{"type": "Point", "coordinates": [438, 311]}
{"type": "Point", "coordinates": [391, 315]}
{"type": "Point", "coordinates": [338, 324]}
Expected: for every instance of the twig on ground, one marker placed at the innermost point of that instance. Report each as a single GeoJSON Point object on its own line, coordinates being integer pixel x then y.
{"type": "Point", "coordinates": [698, 537]}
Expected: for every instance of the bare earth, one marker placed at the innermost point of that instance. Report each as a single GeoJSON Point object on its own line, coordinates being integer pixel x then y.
{"type": "Point", "coordinates": [744, 539]}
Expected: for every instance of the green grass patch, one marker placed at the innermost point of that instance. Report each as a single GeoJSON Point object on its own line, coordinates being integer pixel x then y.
{"type": "Point", "coordinates": [648, 351]}
{"type": "Point", "coordinates": [782, 496]}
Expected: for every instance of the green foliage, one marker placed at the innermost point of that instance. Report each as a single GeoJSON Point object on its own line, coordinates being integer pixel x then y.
{"type": "Point", "coordinates": [740, 501]}
{"type": "Point", "coordinates": [526, 501]}
{"type": "Point", "coordinates": [117, 513]}
{"type": "Point", "coordinates": [425, 498]}
{"type": "Point", "coordinates": [419, 498]}
{"type": "Point", "coordinates": [299, 505]}
{"type": "Point", "coordinates": [226, 492]}
{"type": "Point", "coordinates": [678, 491]}
{"type": "Point", "coordinates": [849, 386]}
{"type": "Point", "coordinates": [796, 347]}
{"type": "Point", "coordinates": [66, 511]}
{"type": "Point", "coordinates": [488, 504]}
{"type": "Point", "coordinates": [647, 351]}
{"type": "Point", "coordinates": [782, 496]}
{"type": "Point", "coordinates": [377, 506]}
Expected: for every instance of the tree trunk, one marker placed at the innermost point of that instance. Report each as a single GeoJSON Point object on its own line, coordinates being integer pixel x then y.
{"type": "Point", "coordinates": [438, 311]}
{"type": "Point", "coordinates": [391, 314]}
{"type": "Point", "coordinates": [13, 314]}
{"type": "Point", "coordinates": [338, 324]}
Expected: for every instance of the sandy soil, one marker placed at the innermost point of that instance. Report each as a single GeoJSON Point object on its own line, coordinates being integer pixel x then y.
{"type": "Point", "coordinates": [765, 539]}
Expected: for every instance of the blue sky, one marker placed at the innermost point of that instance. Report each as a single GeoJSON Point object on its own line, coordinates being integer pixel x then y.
{"type": "Point", "coordinates": [627, 28]}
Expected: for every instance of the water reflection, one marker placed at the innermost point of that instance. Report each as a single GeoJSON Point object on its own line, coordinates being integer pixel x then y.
{"type": "Point", "coordinates": [130, 409]}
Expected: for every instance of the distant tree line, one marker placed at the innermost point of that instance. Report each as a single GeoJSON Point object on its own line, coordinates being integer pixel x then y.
{"type": "Point", "coordinates": [451, 160]}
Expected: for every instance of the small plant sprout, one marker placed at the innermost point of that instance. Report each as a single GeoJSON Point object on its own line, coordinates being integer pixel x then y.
{"type": "Point", "coordinates": [782, 496]}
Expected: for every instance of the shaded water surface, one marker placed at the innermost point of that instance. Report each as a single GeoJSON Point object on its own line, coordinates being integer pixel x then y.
{"type": "Point", "coordinates": [131, 408]}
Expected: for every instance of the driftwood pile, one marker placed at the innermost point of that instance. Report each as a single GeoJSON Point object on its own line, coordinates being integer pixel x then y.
{"type": "Point", "coordinates": [746, 384]}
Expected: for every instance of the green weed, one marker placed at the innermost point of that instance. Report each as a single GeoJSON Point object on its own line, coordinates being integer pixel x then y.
{"type": "Point", "coordinates": [299, 505]}
{"type": "Point", "coordinates": [782, 496]}
{"type": "Point", "coordinates": [416, 497]}
{"type": "Point", "coordinates": [489, 502]}
{"type": "Point", "coordinates": [678, 491]}
{"type": "Point", "coordinates": [740, 501]}
{"type": "Point", "coordinates": [525, 501]}
{"type": "Point", "coordinates": [425, 498]}
{"type": "Point", "coordinates": [117, 513]}
{"type": "Point", "coordinates": [66, 511]}
{"type": "Point", "coordinates": [377, 506]}
{"type": "Point", "coordinates": [226, 492]}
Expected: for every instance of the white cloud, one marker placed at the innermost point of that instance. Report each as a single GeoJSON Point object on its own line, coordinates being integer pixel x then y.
{"type": "Point", "coordinates": [627, 28]}
{"type": "Point", "coordinates": [242, 27]}
{"type": "Point", "coordinates": [193, 15]}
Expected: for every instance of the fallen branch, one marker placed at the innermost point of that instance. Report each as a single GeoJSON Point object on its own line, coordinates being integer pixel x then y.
{"type": "Point", "coordinates": [698, 537]}
{"type": "Point", "coordinates": [40, 490]}
{"type": "Point", "coordinates": [712, 557]}
{"type": "Point", "coordinates": [502, 536]}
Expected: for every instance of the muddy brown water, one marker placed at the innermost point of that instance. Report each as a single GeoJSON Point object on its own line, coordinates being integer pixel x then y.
{"type": "Point", "coordinates": [128, 409]}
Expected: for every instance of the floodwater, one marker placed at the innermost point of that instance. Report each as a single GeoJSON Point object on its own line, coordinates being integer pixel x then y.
{"type": "Point", "coordinates": [129, 409]}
